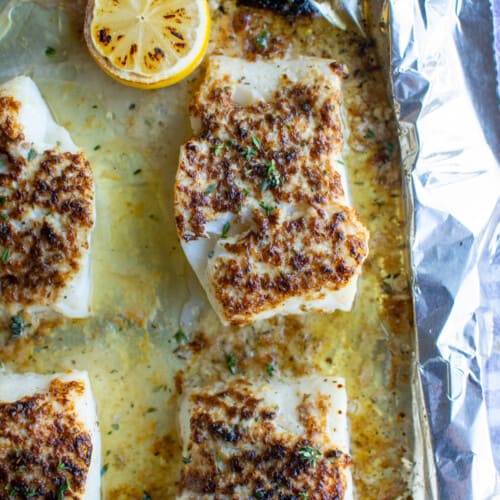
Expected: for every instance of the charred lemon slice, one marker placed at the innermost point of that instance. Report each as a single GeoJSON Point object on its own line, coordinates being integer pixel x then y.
{"type": "Point", "coordinates": [147, 43]}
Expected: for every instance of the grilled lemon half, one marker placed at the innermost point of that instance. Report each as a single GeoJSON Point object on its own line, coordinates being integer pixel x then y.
{"type": "Point", "coordinates": [147, 43]}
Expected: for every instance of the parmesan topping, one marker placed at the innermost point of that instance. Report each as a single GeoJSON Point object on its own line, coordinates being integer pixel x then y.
{"type": "Point", "coordinates": [46, 209]}
{"type": "Point", "coordinates": [261, 181]}
{"type": "Point", "coordinates": [278, 440]}
{"type": "Point", "coordinates": [48, 439]}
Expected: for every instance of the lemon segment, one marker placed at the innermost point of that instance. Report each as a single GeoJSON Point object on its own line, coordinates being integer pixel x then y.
{"type": "Point", "coordinates": [147, 43]}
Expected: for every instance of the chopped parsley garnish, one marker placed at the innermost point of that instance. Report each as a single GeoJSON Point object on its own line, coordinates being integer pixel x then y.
{"type": "Point", "coordinates": [63, 489]}
{"type": "Point", "coordinates": [186, 460]}
{"type": "Point", "coordinates": [231, 363]}
{"type": "Point", "coordinates": [389, 147]}
{"type": "Point", "coordinates": [304, 495]}
{"type": "Point", "coordinates": [310, 455]}
{"type": "Point", "coordinates": [262, 39]}
{"type": "Point", "coordinates": [147, 122]}
{"type": "Point", "coordinates": [273, 178]}
{"type": "Point", "coordinates": [256, 142]}
{"type": "Point", "coordinates": [6, 255]}
{"type": "Point", "coordinates": [18, 325]}
{"type": "Point", "coordinates": [96, 147]}
{"type": "Point", "coordinates": [269, 209]}
{"type": "Point", "coordinates": [3, 200]}
{"type": "Point", "coordinates": [31, 154]}
{"type": "Point", "coordinates": [211, 188]}
{"type": "Point", "coordinates": [115, 427]}
{"type": "Point", "coordinates": [152, 409]}
{"type": "Point", "coordinates": [50, 51]}
{"type": "Point", "coordinates": [104, 469]}
{"type": "Point", "coordinates": [211, 254]}
{"type": "Point", "coordinates": [180, 337]}
{"type": "Point", "coordinates": [158, 388]}
{"type": "Point", "coordinates": [218, 149]}
{"type": "Point", "coordinates": [249, 152]}
{"type": "Point", "coordinates": [138, 171]}
{"type": "Point", "coordinates": [218, 460]}
{"type": "Point", "coordinates": [4, 216]}
{"type": "Point", "coordinates": [146, 496]}
{"type": "Point", "coordinates": [62, 466]}
{"type": "Point", "coordinates": [370, 134]}
{"type": "Point", "coordinates": [341, 162]}
{"type": "Point", "coordinates": [270, 369]}
{"type": "Point", "coordinates": [225, 229]}
{"type": "Point", "coordinates": [94, 106]}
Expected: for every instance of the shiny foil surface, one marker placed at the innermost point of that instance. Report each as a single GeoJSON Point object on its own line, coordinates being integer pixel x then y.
{"type": "Point", "coordinates": [443, 81]}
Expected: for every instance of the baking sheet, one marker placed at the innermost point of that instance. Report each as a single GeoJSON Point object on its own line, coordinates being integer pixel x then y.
{"type": "Point", "coordinates": [144, 291]}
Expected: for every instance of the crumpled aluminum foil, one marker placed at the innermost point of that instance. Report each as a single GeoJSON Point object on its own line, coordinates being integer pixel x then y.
{"type": "Point", "coordinates": [441, 68]}
{"type": "Point", "coordinates": [443, 80]}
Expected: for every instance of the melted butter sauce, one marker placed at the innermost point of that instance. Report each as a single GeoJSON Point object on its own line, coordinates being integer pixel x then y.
{"type": "Point", "coordinates": [143, 285]}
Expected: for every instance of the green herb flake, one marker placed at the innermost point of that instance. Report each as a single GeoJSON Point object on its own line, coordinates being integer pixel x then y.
{"type": "Point", "coordinates": [268, 208]}
{"type": "Point", "coordinates": [4, 216]}
{"type": "Point", "coordinates": [146, 496]}
{"type": "Point", "coordinates": [3, 200]}
{"type": "Point", "coordinates": [50, 51]}
{"type": "Point", "coordinates": [389, 147]}
{"type": "Point", "coordinates": [186, 460]}
{"type": "Point", "coordinates": [97, 147]}
{"type": "Point", "coordinates": [31, 154]}
{"type": "Point", "coordinates": [63, 489]}
{"type": "Point", "coordinates": [270, 369]}
{"type": "Point", "coordinates": [256, 142]}
{"type": "Point", "coordinates": [249, 152]}
{"type": "Point", "coordinates": [273, 178]}
{"type": "Point", "coordinates": [18, 325]}
{"type": "Point", "coordinates": [62, 466]}
{"type": "Point", "coordinates": [211, 254]}
{"type": "Point", "coordinates": [225, 229]}
{"type": "Point", "coordinates": [304, 495]}
{"type": "Point", "coordinates": [159, 388]}
{"type": "Point", "coordinates": [370, 134]}
{"type": "Point", "coordinates": [218, 149]}
{"type": "Point", "coordinates": [341, 162]}
{"type": "Point", "coordinates": [6, 255]}
{"type": "Point", "coordinates": [152, 409]}
{"type": "Point", "coordinates": [104, 469]}
{"type": "Point", "coordinates": [115, 427]}
{"type": "Point", "coordinates": [262, 39]}
{"type": "Point", "coordinates": [180, 337]}
{"type": "Point", "coordinates": [210, 189]}
{"type": "Point", "coordinates": [138, 171]}
{"type": "Point", "coordinates": [310, 455]}
{"type": "Point", "coordinates": [231, 363]}
{"type": "Point", "coordinates": [94, 106]}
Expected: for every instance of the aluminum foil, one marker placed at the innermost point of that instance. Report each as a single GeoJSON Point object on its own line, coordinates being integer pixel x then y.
{"type": "Point", "coordinates": [441, 63]}
{"type": "Point", "coordinates": [443, 82]}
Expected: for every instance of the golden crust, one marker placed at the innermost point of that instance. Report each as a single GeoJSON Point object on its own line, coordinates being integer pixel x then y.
{"type": "Point", "coordinates": [46, 214]}
{"type": "Point", "coordinates": [272, 165]}
{"type": "Point", "coordinates": [234, 446]}
{"type": "Point", "coordinates": [304, 257]}
{"type": "Point", "coordinates": [45, 451]}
